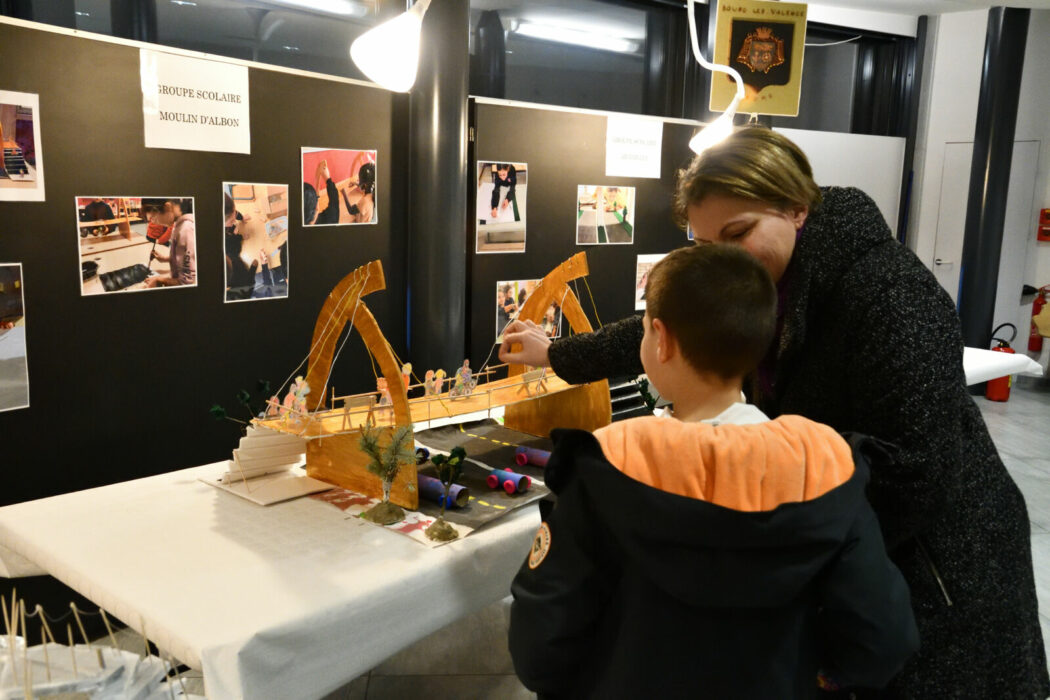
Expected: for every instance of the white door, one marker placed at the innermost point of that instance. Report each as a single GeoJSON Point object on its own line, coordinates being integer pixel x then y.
{"type": "Point", "coordinates": [951, 225]}
{"type": "Point", "coordinates": [951, 216]}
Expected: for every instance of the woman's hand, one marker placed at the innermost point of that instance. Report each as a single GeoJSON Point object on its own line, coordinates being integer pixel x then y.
{"type": "Point", "coordinates": [534, 343]}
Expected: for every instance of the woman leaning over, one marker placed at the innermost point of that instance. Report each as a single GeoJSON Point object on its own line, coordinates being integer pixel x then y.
{"type": "Point", "coordinates": [869, 342]}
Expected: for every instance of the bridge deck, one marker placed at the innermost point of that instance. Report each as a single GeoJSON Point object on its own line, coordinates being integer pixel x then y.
{"type": "Point", "coordinates": [340, 420]}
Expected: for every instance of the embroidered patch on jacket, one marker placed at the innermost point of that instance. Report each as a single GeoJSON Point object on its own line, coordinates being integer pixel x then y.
{"type": "Point", "coordinates": [540, 546]}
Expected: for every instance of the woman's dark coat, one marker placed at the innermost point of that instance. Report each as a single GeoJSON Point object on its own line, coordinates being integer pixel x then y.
{"type": "Point", "coordinates": [871, 344]}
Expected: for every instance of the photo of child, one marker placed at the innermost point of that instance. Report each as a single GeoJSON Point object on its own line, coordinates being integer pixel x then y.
{"type": "Point", "coordinates": [14, 372]}
{"type": "Point", "coordinates": [22, 164]}
{"type": "Point", "coordinates": [339, 187]}
{"type": "Point", "coordinates": [604, 214]}
{"type": "Point", "coordinates": [130, 244]}
{"type": "Point", "coordinates": [500, 216]}
{"type": "Point", "coordinates": [255, 219]}
{"type": "Point", "coordinates": [511, 296]}
{"type": "Point", "coordinates": [641, 277]}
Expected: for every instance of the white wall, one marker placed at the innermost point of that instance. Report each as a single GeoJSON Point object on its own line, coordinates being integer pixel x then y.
{"type": "Point", "coordinates": [1033, 122]}
{"type": "Point", "coordinates": [947, 113]}
{"type": "Point", "coordinates": [871, 163]}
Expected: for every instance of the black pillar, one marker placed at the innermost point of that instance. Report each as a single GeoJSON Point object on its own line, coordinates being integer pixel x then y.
{"type": "Point", "coordinates": [990, 172]}
{"type": "Point", "coordinates": [134, 19]}
{"type": "Point", "coordinates": [489, 62]}
{"type": "Point", "coordinates": [437, 214]}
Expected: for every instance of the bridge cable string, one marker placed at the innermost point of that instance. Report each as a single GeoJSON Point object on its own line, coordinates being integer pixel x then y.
{"type": "Point", "coordinates": [323, 335]}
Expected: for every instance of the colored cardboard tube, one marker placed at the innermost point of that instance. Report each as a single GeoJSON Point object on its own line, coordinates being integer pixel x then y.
{"type": "Point", "coordinates": [433, 490]}
{"type": "Point", "coordinates": [531, 455]}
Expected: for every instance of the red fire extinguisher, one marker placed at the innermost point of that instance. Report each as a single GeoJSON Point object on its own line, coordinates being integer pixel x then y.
{"type": "Point", "coordinates": [999, 389]}
{"type": "Point", "coordinates": [1035, 340]}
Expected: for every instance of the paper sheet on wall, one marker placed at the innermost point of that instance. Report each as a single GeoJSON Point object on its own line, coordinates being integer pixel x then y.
{"type": "Point", "coordinates": [21, 149]}
{"type": "Point", "coordinates": [632, 147]}
{"type": "Point", "coordinates": [194, 104]}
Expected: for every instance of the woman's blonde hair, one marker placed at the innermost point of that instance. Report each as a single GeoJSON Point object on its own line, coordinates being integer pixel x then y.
{"type": "Point", "coordinates": [753, 163]}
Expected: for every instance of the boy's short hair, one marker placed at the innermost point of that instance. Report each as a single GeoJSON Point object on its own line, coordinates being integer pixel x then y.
{"type": "Point", "coordinates": [719, 303]}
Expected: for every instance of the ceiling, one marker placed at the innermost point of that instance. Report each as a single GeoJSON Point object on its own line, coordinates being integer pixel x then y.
{"type": "Point", "coordinates": [930, 7]}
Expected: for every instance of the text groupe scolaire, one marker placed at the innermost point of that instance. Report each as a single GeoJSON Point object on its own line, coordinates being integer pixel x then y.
{"type": "Point", "coordinates": [198, 94]}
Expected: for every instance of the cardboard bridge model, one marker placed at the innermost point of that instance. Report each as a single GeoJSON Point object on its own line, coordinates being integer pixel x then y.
{"type": "Point", "coordinates": [535, 402]}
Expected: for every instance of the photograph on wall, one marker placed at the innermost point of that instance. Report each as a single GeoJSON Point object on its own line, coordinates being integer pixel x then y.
{"type": "Point", "coordinates": [14, 372]}
{"type": "Point", "coordinates": [131, 244]}
{"type": "Point", "coordinates": [500, 217]}
{"type": "Point", "coordinates": [511, 296]}
{"type": "Point", "coordinates": [604, 214]}
{"type": "Point", "coordinates": [765, 43]}
{"type": "Point", "coordinates": [339, 187]}
{"type": "Point", "coordinates": [641, 277]}
{"type": "Point", "coordinates": [255, 221]}
{"type": "Point", "coordinates": [22, 166]}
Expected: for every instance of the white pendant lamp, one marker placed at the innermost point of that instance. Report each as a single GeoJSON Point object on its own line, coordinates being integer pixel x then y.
{"type": "Point", "coordinates": [721, 127]}
{"type": "Point", "coordinates": [389, 53]}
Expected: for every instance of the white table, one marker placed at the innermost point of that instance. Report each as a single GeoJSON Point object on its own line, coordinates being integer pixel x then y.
{"type": "Point", "coordinates": [286, 601]}
{"type": "Point", "coordinates": [982, 365]}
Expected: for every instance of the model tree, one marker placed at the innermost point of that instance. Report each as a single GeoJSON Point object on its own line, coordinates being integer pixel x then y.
{"type": "Point", "coordinates": [385, 463]}
{"type": "Point", "coordinates": [448, 470]}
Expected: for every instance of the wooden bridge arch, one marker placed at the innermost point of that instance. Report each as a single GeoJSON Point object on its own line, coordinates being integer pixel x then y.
{"type": "Point", "coordinates": [345, 305]}
{"type": "Point", "coordinates": [586, 406]}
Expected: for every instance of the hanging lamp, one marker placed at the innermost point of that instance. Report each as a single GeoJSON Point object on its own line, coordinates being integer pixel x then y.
{"type": "Point", "coordinates": [388, 54]}
{"type": "Point", "coordinates": [722, 126]}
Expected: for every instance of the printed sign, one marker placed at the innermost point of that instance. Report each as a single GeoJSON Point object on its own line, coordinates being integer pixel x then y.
{"type": "Point", "coordinates": [193, 104]}
{"type": "Point", "coordinates": [632, 147]}
{"type": "Point", "coordinates": [764, 42]}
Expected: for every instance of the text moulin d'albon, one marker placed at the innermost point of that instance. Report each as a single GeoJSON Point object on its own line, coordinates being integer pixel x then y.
{"type": "Point", "coordinates": [191, 93]}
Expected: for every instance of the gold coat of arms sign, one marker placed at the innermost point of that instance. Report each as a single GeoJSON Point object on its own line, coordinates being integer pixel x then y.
{"type": "Point", "coordinates": [764, 41]}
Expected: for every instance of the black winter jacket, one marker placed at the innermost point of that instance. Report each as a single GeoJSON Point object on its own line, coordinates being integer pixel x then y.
{"type": "Point", "coordinates": [871, 343]}
{"type": "Point", "coordinates": [646, 593]}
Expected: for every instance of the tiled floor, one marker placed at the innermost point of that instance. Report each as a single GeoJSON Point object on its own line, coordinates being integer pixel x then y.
{"type": "Point", "coordinates": [1020, 428]}
{"type": "Point", "coordinates": [470, 660]}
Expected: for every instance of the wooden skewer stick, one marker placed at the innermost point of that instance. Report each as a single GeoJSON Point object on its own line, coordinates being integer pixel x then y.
{"type": "Point", "coordinates": [43, 645]}
{"type": "Point", "coordinates": [10, 632]}
{"type": "Point", "coordinates": [80, 623]}
{"type": "Point", "coordinates": [145, 639]}
{"type": "Point", "coordinates": [72, 650]}
{"type": "Point", "coordinates": [7, 620]}
{"type": "Point", "coordinates": [178, 673]}
{"type": "Point", "coordinates": [167, 678]}
{"type": "Point", "coordinates": [27, 670]}
{"type": "Point", "coordinates": [83, 633]}
{"type": "Point", "coordinates": [14, 613]}
{"type": "Point", "coordinates": [43, 620]}
{"type": "Point", "coordinates": [105, 620]}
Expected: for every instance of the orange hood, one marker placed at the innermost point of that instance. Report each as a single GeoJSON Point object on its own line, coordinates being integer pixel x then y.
{"type": "Point", "coordinates": [746, 468]}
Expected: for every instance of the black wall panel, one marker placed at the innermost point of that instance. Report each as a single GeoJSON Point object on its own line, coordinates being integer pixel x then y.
{"type": "Point", "coordinates": [120, 384]}
{"type": "Point", "coordinates": [564, 150]}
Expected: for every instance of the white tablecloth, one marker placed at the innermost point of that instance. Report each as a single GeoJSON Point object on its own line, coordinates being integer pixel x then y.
{"type": "Point", "coordinates": [286, 601]}
{"type": "Point", "coordinates": [982, 365]}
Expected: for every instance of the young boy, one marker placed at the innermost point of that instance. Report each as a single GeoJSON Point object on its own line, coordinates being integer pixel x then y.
{"type": "Point", "coordinates": [717, 553]}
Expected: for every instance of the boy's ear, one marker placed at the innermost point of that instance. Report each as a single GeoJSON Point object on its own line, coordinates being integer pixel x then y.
{"type": "Point", "coordinates": [666, 345]}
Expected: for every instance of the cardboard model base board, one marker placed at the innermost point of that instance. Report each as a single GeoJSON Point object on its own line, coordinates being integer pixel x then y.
{"type": "Point", "coordinates": [489, 446]}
